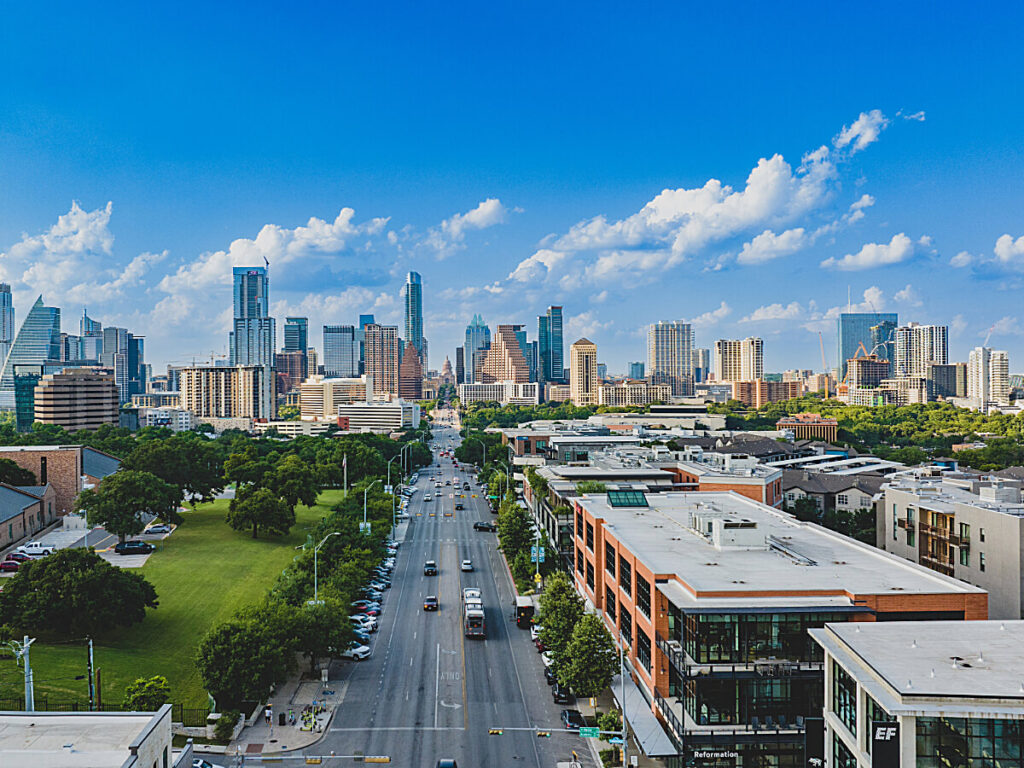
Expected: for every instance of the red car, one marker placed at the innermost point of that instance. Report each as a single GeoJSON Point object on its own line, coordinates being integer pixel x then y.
{"type": "Point", "coordinates": [21, 557]}
{"type": "Point", "coordinates": [10, 565]}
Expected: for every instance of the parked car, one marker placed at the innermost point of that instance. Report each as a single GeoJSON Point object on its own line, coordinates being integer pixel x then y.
{"type": "Point", "coordinates": [561, 694]}
{"type": "Point", "coordinates": [430, 603]}
{"type": "Point", "coordinates": [572, 719]}
{"type": "Point", "coordinates": [10, 565]}
{"type": "Point", "coordinates": [357, 652]}
{"type": "Point", "coordinates": [549, 676]}
{"type": "Point", "coordinates": [467, 566]}
{"type": "Point", "coordinates": [21, 557]}
{"type": "Point", "coordinates": [446, 763]}
{"type": "Point", "coordinates": [430, 568]}
{"type": "Point", "coordinates": [484, 527]}
{"type": "Point", "coordinates": [160, 528]}
{"type": "Point", "coordinates": [546, 658]}
{"type": "Point", "coordinates": [365, 604]}
{"type": "Point", "coordinates": [133, 547]}
{"type": "Point", "coordinates": [35, 548]}
{"type": "Point", "coordinates": [535, 631]}
{"type": "Point", "coordinates": [362, 637]}
{"type": "Point", "coordinates": [198, 762]}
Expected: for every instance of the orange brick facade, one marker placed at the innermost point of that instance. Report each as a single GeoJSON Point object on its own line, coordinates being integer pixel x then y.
{"type": "Point", "coordinates": [60, 466]}
{"type": "Point", "coordinates": [767, 492]}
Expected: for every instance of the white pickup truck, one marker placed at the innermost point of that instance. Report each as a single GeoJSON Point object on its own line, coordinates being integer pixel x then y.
{"type": "Point", "coordinates": [35, 549]}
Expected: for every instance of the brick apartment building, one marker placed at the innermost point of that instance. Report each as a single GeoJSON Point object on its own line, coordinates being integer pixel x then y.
{"type": "Point", "coordinates": [64, 468]}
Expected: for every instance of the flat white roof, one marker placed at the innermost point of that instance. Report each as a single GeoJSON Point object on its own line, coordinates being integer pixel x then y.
{"type": "Point", "coordinates": [806, 558]}
{"type": "Point", "coordinates": [969, 659]}
{"type": "Point", "coordinates": [96, 740]}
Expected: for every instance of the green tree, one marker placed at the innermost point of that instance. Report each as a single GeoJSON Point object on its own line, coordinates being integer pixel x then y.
{"type": "Point", "coordinates": [323, 629]}
{"type": "Point", "coordinates": [610, 721]}
{"type": "Point", "coordinates": [288, 413]}
{"type": "Point", "coordinates": [246, 467]}
{"type": "Point", "coordinates": [74, 593]}
{"type": "Point", "coordinates": [125, 498]}
{"type": "Point", "coordinates": [560, 610]}
{"type": "Point", "coordinates": [12, 474]}
{"type": "Point", "coordinates": [590, 660]}
{"type": "Point", "coordinates": [515, 531]}
{"type": "Point", "coordinates": [590, 486]}
{"type": "Point", "coordinates": [806, 508]}
{"type": "Point", "coordinates": [144, 695]}
{"type": "Point", "coordinates": [260, 508]}
{"type": "Point", "coordinates": [293, 481]}
{"type": "Point", "coordinates": [184, 461]}
{"type": "Point", "coordinates": [242, 661]}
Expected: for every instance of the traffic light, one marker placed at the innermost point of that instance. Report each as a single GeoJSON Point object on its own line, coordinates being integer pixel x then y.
{"type": "Point", "coordinates": [495, 731]}
{"type": "Point", "coordinates": [541, 734]}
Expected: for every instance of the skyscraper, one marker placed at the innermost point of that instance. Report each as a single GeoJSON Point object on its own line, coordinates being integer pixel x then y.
{"type": "Point", "coordinates": [668, 355]}
{"type": "Point", "coordinates": [701, 357]}
{"type": "Point", "coordinates": [296, 334]}
{"type": "Point", "coordinates": [583, 378]}
{"type": "Point", "coordinates": [6, 321]}
{"type": "Point", "coordinates": [414, 313]}
{"type": "Point", "coordinates": [478, 341]}
{"type": "Point", "coordinates": [854, 329]}
{"type": "Point", "coordinates": [460, 365]}
{"type": "Point", "coordinates": [382, 357]}
{"type": "Point", "coordinates": [739, 359]}
{"type": "Point", "coordinates": [917, 347]}
{"type": "Point", "coordinates": [504, 360]}
{"type": "Point", "coordinates": [410, 374]}
{"type": "Point", "coordinates": [90, 338]}
{"type": "Point", "coordinates": [988, 377]}
{"type": "Point", "coordinates": [635, 371]}
{"type": "Point", "coordinates": [883, 343]}
{"type": "Point", "coordinates": [341, 351]}
{"type": "Point", "coordinates": [364, 320]}
{"type": "Point", "coordinates": [551, 362]}
{"type": "Point", "coordinates": [253, 342]}
{"type": "Point", "coordinates": [37, 341]}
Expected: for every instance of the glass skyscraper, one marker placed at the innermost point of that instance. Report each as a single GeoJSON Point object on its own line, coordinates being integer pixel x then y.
{"type": "Point", "coordinates": [414, 314]}
{"type": "Point", "coordinates": [296, 334]}
{"type": "Point", "coordinates": [36, 342]}
{"type": "Point", "coordinates": [6, 321]}
{"type": "Point", "coordinates": [341, 351]}
{"type": "Point", "coordinates": [364, 320]}
{"type": "Point", "coordinates": [551, 360]}
{"type": "Point", "coordinates": [883, 342]}
{"type": "Point", "coordinates": [854, 329]}
{"type": "Point", "coordinates": [252, 340]}
{"type": "Point", "coordinates": [478, 341]}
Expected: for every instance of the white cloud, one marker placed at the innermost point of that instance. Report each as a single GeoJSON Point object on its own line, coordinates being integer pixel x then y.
{"type": "Point", "coordinates": [962, 259]}
{"type": "Point", "coordinates": [873, 300]}
{"type": "Point", "coordinates": [712, 317]}
{"type": "Point", "coordinates": [863, 132]}
{"type": "Point", "coordinates": [1009, 251]}
{"type": "Point", "coordinates": [537, 267]}
{"type": "Point", "coordinates": [871, 255]}
{"type": "Point", "coordinates": [585, 324]}
{"type": "Point", "coordinates": [1007, 326]}
{"type": "Point", "coordinates": [908, 296]}
{"type": "Point", "coordinates": [918, 116]}
{"type": "Point", "coordinates": [450, 235]}
{"type": "Point", "coordinates": [599, 298]}
{"type": "Point", "coordinates": [768, 246]}
{"type": "Point", "coordinates": [957, 325]}
{"type": "Point", "coordinates": [777, 311]}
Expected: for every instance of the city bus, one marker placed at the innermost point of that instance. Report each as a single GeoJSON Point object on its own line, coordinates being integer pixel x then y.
{"type": "Point", "coordinates": [473, 617]}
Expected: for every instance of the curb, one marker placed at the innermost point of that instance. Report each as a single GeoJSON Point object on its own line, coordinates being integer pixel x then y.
{"type": "Point", "coordinates": [313, 743]}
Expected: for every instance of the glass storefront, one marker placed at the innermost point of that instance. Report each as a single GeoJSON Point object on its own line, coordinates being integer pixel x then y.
{"type": "Point", "coordinates": [743, 638]}
{"type": "Point", "coordinates": [948, 742]}
{"type": "Point", "coordinates": [746, 701]}
{"type": "Point", "coordinates": [841, 756]}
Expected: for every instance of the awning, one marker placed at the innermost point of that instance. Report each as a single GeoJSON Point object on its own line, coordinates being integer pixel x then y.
{"type": "Point", "coordinates": [645, 727]}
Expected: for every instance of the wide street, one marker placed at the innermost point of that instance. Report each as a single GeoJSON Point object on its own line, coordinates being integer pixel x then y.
{"type": "Point", "coordinates": [428, 692]}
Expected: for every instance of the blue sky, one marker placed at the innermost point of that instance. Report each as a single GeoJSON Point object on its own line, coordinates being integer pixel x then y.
{"type": "Point", "coordinates": [743, 166]}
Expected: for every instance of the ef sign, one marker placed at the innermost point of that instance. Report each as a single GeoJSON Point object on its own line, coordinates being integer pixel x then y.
{"type": "Point", "coordinates": [885, 744]}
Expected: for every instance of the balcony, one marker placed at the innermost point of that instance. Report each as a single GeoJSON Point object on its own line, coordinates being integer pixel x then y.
{"type": "Point", "coordinates": [683, 729]}
{"type": "Point", "coordinates": [757, 666]}
{"type": "Point", "coordinates": [931, 561]}
{"type": "Point", "coordinates": [905, 523]}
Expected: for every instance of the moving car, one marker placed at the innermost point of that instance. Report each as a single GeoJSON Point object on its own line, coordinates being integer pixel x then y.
{"type": "Point", "coordinates": [561, 694]}
{"type": "Point", "coordinates": [428, 497]}
{"type": "Point", "coordinates": [133, 547]}
{"type": "Point", "coordinates": [458, 507]}
{"type": "Point", "coordinates": [357, 652]}
{"type": "Point", "coordinates": [430, 568]}
{"type": "Point", "coordinates": [35, 548]}
{"type": "Point", "coordinates": [447, 763]}
{"type": "Point", "coordinates": [484, 527]}
{"type": "Point", "coordinates": [467, 565]}
{"type": "Point", "coordinates": [572, 719]}
{"type": "Point", "coordinates": [430, 603]}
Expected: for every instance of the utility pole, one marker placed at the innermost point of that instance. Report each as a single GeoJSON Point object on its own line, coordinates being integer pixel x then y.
{"type": "Point", "coordinates": [622, 694]}
{"type": "Point", "coordinates": [92, 686]}
{"type": "Point", "coordinates": [21, 653]}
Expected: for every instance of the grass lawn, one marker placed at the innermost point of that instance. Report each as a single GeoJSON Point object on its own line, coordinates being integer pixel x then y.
{"type": "Point", "coordinates": [202, 573]}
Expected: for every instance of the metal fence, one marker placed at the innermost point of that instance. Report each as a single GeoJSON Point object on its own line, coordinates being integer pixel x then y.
{"type": "Point", "coordinates": [194, 717]}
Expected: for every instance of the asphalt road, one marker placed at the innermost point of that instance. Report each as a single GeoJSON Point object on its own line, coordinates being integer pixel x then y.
{"type": "Point", "coordinates": [429, 692]}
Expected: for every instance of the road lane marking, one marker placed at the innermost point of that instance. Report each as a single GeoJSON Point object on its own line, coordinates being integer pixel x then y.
{"type": "Point", "coordinates": [437, 683]}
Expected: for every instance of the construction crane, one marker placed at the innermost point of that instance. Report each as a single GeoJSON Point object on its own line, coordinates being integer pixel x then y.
{"type": "Point", "coordinates": [988, 335]}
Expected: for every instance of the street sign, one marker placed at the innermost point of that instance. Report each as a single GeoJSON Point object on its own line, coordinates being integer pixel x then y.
{"type": "Point", "coordinates": [535, 553]}
{"type": "Point", "coordinates": [364, 528]}
{"type": "Point", "coordinates": [537, 578]}
{"type": "Point", "coordinates": [590, 733]}
{"type": "Point", "coordinates": [389, 489]}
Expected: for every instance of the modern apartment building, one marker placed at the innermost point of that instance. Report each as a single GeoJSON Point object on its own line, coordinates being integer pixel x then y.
{"type": "Point", "coordinates": [341, 351]}
{"type": "Point", "coordinates": [947, 693]}
{"type": "Point", "coordinates": [711, 596]}
{"type": "Point", "coordinates": [392, 416]}
{"type": "Point", "coordinates": [504, 361]}
{"type": "Point", "coordinates": [988, 378]}
{"type": "Point", "coordinates": [296, 334]}
{"type": "Point", "coordinates": [413, 296]}
{"type": "Point", "coordinates": [854, 331]}
{"type": "Point", "coordinates": [253, 336]}
{"type": "Point", "coordinates": [583, 378]}
{"type": "Point", "coordinates": [550, 351]}
{"type": "Point", "coordinates": [917, 347]}
{"type": "Point", "coordinates": [319, 396]}
{"type": "Point", "coordinates": [290, 368]}
{"type": "Point", "coordinates": [970, 528]}
{"type": "Point", "coordinates": [756, 393]}
{"type": "Point", "coordinates": [739, 359]}
{"type": "Point", "coordinates": [410, 373]}
{"type": "Point", "coordinates": [883, 344]}
{"type": "Point", "coordinates": [382, 358]}
{"type": "Point", "coordinates": [669, 346]}
{"type": "Point", "coordinates": [77, 398]}
{"type": "Point", "coordinates": [503, 392]}
{"type": "Point", "coordinates": [625, 393]}
{"type": "Point", "coordinates": [225, 391]}
{"type": "Point", "coordinates": [701, 357]}
{"type": "Point", "coordinates": [947, 380]}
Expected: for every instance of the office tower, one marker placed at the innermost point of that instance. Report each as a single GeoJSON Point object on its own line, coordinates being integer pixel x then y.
{"type": "Point", "coordinates": [37, 341]}
{"type": "Point", "coordinates": [77, 398]}
{"type": "Point", "coordinates": [583, 377]}
{"type": "Point", "coordinates": [854, 330]}
{"type": "Point", "coordinates": [136, 365]}
{"type": "Point", "coordinates": [947, 380]}
{"type": "Point", "coordinates": [341, 351]}
{"type": "Point", "coordinates": [296, 334]}
{"type": "Point", "coordinates": [460, 365]}
{"type": "Point", "coordinates": [668, 356]}
{"type": "Point", "coordinates": [410, 373]}
{"type": "Point", "coordinates": [917, 347]}
{"type": "Point", "coordinates": [413, 294]}
{"type": "Point", "coordinates": [253, 341]}
{"type": "Point", "coordinates": [988, 377]}
{"type": "Point", "coordinates": [6, 321]}
{"type": "Point", "coordinates": [635, 370]}
{"type": "Point", "coordinates": [701, 357]}
{"type": "Point", "coordinates": [291, 370]}
{"type": "Point", "coordinates": [504, 360]}
{"type": "Point", "coordinates": [533, 360]}
{"type": "Point", "coordinates": [225, 391]}
{"type": "Point", "coordinates": [312, 362]}
{"type": "Point", "coordinates": [602, 371]}
{"type": "Point", "coordinates": [739, 359]}
{"type": "Point", "coordinates": [382, 356]}
{"type": "Point", "coordinates": [478, 341]}
{"type": "Point", "coordinates": [89, 327]}
{"type": "Point", "coordinates": [883, 343]}
{"type": "Point", "coordinates": [25, 379]}
{"type": "Point", "coordinates": [364, 320]}
{"type": "Point", "coordinates": [549, 346]}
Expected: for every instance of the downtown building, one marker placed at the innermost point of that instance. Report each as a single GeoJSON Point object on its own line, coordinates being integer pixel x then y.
{"type": "Point", "coordinates": [225, 392]}
{"type": "Point", "coordinates": [383, 356]}
{"type": "Point", "coordinates": [478, 341]}
{"type": "Point", "coordinates": [320, 396]}
{"type": "Point", "coordinates": [739, 359]}
{"type": "Point", "coordinates": [501, 392]}
{"type": "Point", "coordinates": [669, 347]}
{"type": "Point", "coordinates": [36, 344]}
{"type": "Point", "coordinates": [636, 393]}
{"type": "Point", "coordinates": [252, 341]}
{"type": "Point", "coordinates": [583, 378]}
{"type": "Point", "coordinates": [77, 398]}
{"type": "Point", "coordinates": [550, 350]}
{"type": "Point", "coordinates": [854, 333]}
{"type": "Point", "coordinates": [988, 378]}
{"type": "Point", "coordinates": [711, 596]}
{"type": "Point", "coordinates": [413, 296]}
{"type": "Point", "coordinates": [504, 361]}
{"type": "Point", "coordinates": [341, 348]}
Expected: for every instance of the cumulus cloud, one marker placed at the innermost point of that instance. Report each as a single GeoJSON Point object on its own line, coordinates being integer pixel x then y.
{"type": "Point", "coordinates": [537, 267]}
{"type": "Point", "coordinates": [908, 295]}
{"type": "Point", "coordinates": [1010, 252]}
{"type": "Point", "coordinates": [863, 132]}
{"type": "Point", "coordinates": [768, 246]}
{"type": "Point", "coordinates": [872, 300]}
{"type": "Point", "coordinates": [962, 259]}
{"type": "Point", "coordinates": [918, 116]}
{"type": "Point", "coordinates": [712, 317]}
{"type": "Point", "coordinates": [1007, 326]}
{"type": "Point", "coordinates": [957, 325]}
{"type": "Point", "coordinates": [791, 311]}
{"type": "Point", "coordinates": [585, 324]}
{"type": "Point", "coordinates": [451, 234]}
{"type": "Point", "coordinates": [871, 255]}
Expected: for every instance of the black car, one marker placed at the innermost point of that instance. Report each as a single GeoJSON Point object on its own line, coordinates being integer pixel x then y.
{"type": "Point", "coordinates": [458, 507]}
{"type": "Point", "coordinates": [549, 675]}
{"type": "Point", "coordinates": [133, 547]}
{"type": "Point", "coordinates": [484, 527]}
{"type": "Point", "coordinates": [572, 719]}
{"type": "Point", "coordinates": [430, 568]}
{"type": "Point", "coordinates": [561, 694]}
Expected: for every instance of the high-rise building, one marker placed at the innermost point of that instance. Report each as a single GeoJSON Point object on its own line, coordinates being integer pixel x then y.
{"type": "Point", "coordinates": [460, 365]}
{"type": "Point", "coordinates": [290, 368]}
{"type": "Point", "coordinates": [583, 378]}
{"type": "Point", "coordinates": [739, 359]}
{"type": "Point", "coordinates": [413, 294]}
{"type": "Point", "coordinates": [669, 344]}
{"type": "Point", "coordinates": [296, 334]}
{"type": "Point", "coordinates": [551, 361]}
{"type": "Point", "coordinates": [478, 341]}
{"type": "Point", "coordinates": [382, 358]}
{"type": "Point", "coordinates": [410, 374]}
{"type": "Point", "coordinates": [341, 351]}
{"type": "Point", "coordinates": [635, 370]}
{"type": "Point", "coordinates": [364, 320]}
{"type": "Point", "coordinates": [917, 347]}
{"type": "Point", "coordinates": [988, 377]}
{"type": "Point", "coordinates": [602, 371]}
{"type": "Point", "coordinates": [504, 361]}
{"type": "Point", "coordinates": [87, 326]}
{"type": "Point", "coordinates": [253, 335]}
{"type": "Point", "coordinates": [37, 341]}
{"type": "Point", "coordinates": [866, 371]}
{"type": "Point", "coordinates": [854, 330]}
{"type": "Point", "coordinates": [312, 362]}
{"type": "Point", "coordinates": [77, 398]}
{"type": "Point", "coordinates": [224, 391]}
{"type": "Point", "coordinates": [883, 343]}
{"type": "Point", "coordinates": [124, 354]}
{"type": "Point", "coordinates": [90, 338]}
{"type": "Point", "coordinates": [701, 358]}
{"type": "Point", "coordinates": [947, 380]}
{"type": "Point", "coordinates": [6, 321]}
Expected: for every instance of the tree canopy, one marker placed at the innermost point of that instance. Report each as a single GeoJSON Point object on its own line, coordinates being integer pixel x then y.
{"type": "Point", "coordinates": [123, 499]}
{"type": "Point", "coordinates": [560, 610]}
{"type": "Point", "coordinates": [260, 509]}
{"type": "Point", "coordinates": [590, 660]}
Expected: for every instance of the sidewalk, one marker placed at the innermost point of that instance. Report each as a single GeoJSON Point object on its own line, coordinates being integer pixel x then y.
{"type": "Point", "coordinates": [310, 701]}
{"type": "Point", "coordinates": [606, 702]}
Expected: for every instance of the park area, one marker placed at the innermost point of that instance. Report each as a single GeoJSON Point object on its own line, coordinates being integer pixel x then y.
{"type": "Point", "coordinates": [203, 573]}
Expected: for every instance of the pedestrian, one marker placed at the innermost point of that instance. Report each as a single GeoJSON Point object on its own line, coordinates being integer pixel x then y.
{"type": "Point", "coordinates": [268, 715]}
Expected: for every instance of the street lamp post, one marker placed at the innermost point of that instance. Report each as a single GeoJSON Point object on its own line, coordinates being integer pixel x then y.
{"type": "Point", "coordinates": [365, 526]}
{"type": "Point", "coordinates": [315, 550]}
{"type": "Point", "coordinates": [392, 492]}
{"type": "Point", "coordinates": [622, 695]}
{"type": "Point", "coordinates": [483, 445]}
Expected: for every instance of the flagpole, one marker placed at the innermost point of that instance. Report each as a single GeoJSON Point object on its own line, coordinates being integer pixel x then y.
{"type": "Point", "coordinates": [344, 464]}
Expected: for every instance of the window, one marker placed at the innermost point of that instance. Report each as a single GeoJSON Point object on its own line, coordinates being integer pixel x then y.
{"type": "Point", "coordinates": [910, 514]}
{"type": "Point", "coordinates": [626, 627]}
{"type": "Point", "coordinates": [981, 561]}
{"type": "Point", "coordinates": [609, 558]}
{"type": "Point", "coordinates": [579, 523]}
{"type": "Point", "coordinates": [579, 560]}
{"type": "Point", "coordinates": [895, 525]}
{"type": "Point", "coordinates": [790, 496]}
{"type": "Point", "coordinates": [627, 499]}
{"type": "Point", "coordinates": [609, 602]}
{"type": "Point", "coordinates": [965, 531]}
{"type": "Point", "coordinates": [965, 556]}
{"type": "Point", "coordinates": [841, 756]}
{"type": "Point", "coordinates": [625, 576]}
{"type": "Point", "coordinates": [844, 697]}
{"type": "Point", "coordinates": [590, 575]}
{"type": "Point", "coordinates": [643, 595]}
{"type": "Point", "coordinates": [911, 537]}
{"type": "Point", "coordinates": [643, 649]}
{"type": "Point", "coordinates": [981, 535]}
{"type": "Point", "coordinates": [843, 499]}
{"type": "Point", "coordinates": [42, 471]}
{"type": "Point", "coordinates": [943, 741]}
{"type": "Point", "coordinates": [874, 712]}
{"type": "Point", "coordinates": [590, 537]}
